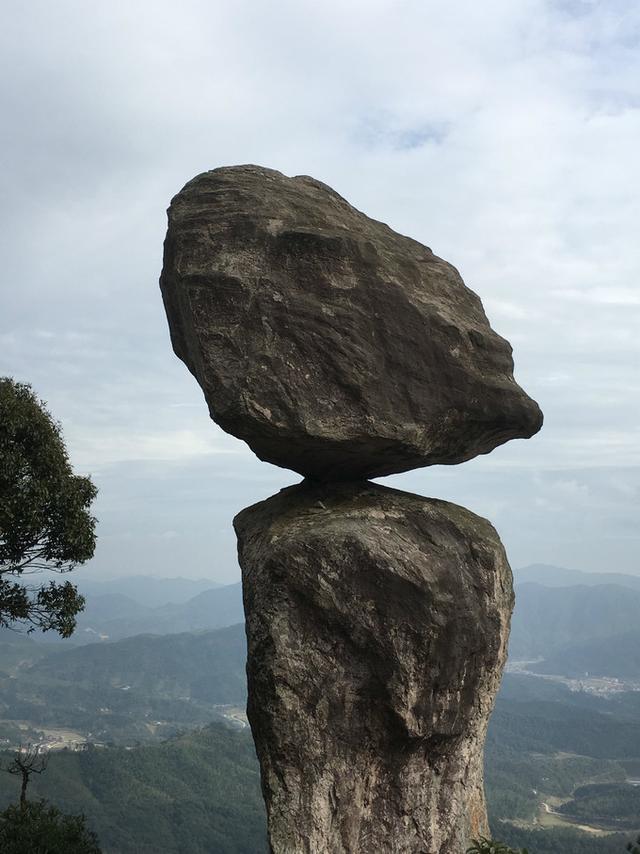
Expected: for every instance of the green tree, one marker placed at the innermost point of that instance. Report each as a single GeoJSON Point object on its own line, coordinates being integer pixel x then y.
{"type": "Point", "coordinates": [38, 828]}
{"type": "Point", "coordinates": [45, 522]}
{"type": "Point", "coordinates": [634, 849]}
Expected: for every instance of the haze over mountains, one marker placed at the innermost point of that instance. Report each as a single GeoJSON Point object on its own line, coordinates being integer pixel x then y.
{"type": "Point", "coordinates": [558, 576]}
{"type": "Point", "coordinates": [145, 589]}
{"type": "Point", "coordinates": [546, 618]}
{"type": "Point", "coordinates": [582, 624]}
{"type": "Point", "coordinates": [113, 615]}
{"type": "Point", "coordinates": [176, 649]}
{"type": "Point", "coordinates": [555, 607]}
{"type": "Point", "coordinates": [617, 656]}
{"type": "Point", "coordinates": [188, 654]}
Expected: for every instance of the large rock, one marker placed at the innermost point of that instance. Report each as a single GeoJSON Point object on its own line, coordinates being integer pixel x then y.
{"type": "Point", "coordinates": [329, 343]}
{"type": "Point", "coordinates": [377, 626]}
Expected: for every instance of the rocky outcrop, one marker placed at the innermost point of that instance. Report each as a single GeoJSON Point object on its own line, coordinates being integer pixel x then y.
{"type": "Point", "coordinates": [377, 625]}
{"type": "Point", "coordinates": [329, 343]}
{"type": "Point", "coordinates": [377, 621]}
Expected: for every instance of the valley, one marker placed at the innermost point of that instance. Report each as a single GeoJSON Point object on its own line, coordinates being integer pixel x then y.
{"type": "Point", "coordinates": [156, 715]}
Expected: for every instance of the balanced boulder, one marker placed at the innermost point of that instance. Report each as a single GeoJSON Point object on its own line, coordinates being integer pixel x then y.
{"type": "Point", "coordinates": [328, 342]}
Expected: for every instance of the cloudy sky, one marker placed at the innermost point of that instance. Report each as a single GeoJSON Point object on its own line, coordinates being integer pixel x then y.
{"type": "Point", "coordinates": [503, 134]}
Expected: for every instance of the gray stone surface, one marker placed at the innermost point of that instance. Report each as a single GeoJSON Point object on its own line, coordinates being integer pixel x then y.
{"type": "Point", "coordinates": [377, 626]}
{"type": "Point", "coordinates": [329, 343]}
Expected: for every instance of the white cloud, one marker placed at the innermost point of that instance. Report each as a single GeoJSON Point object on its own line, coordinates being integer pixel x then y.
{"type": "Point", "coordinates": [502, 134]}
{"type": "Point", "coordinates": [617, 296]}
{"type": "Point", "coordinates": [92, 451]}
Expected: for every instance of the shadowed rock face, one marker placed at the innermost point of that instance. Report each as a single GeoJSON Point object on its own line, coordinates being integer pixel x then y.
{"type": "Point", "coordinates": [332, 345]}
{"type": "Point", "coordinates": [377, 626]}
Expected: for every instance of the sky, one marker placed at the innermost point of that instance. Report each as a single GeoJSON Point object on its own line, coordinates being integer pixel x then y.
{"type": "Point", "coordinates": [502, 134]}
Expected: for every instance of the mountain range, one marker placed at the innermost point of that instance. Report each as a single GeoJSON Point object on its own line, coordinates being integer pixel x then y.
{"type": "Point", "coordinates": [113, 615]}
{"type": "Point", "coordinates": [147, 590]}
{"type": "Point", "coordinates": [616, 657]}
{"type": "Point", "coordinates": [546, 618]}
{"type": "Point", "coordinates": [554, 607]}
{"type": "Point", "coordinates": [557, 610]}
{"type": "Point", "coordinates": [558, 576]}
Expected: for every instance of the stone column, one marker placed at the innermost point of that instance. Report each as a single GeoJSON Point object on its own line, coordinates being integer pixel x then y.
{"type": "Point", "coordinates": [377, 625]}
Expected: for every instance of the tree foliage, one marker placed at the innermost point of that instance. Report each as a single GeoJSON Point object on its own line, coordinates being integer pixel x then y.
{"type": "Point", "coordinates": [45, 522]}
{"type": "Point", "coordinates": [38, 828]}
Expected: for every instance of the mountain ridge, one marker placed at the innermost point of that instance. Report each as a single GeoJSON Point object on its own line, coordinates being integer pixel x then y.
{"type": "Point", "coordinates": [550, 575]}
{"type": "Point", "coordinates": [546, 618]}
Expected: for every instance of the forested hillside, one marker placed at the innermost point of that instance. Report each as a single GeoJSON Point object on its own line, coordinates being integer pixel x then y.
{"type": "Point", "coordinates": [204, 787]}
{"type": "Point", "coordinates": [206, 666]}
{"type": "Point", "coordinates": [546, 618]}
{"type": "Point", "coordinates": [197, 793]}
{"type": "Point", "coordinates": [137, 689]}
{"type": "Point", "coordinates": [571, 749]}
{"type": "Point", "coordinates": [617, 656]}
{"type": "Point", "coordinates": [546, 744]}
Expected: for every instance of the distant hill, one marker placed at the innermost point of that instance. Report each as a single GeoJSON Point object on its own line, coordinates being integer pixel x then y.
{"type": "Point", "coordinates": [17, 651]}
{"type": "Point", "coordinates": [198, 793]}
{"type": "Point", "coordinates": [546, 618]}
{"type": "Point", "coordinates": [208, 610]}
{"type": "Point", "coordinates": [544, 741]}
{"type": "Point", "coordinates": [145, 605]}
{"type": "Point", "coordinates": [146, 590]}
{"type": "Point", "coordinates": [557, 576]}
{"type": "Point", "coordinates": [113, 615]}
{"type": "Point", "coordinates": [532, 716]}
{"type": "Point", "coordinates": [617, 656]}
{"type": "Point", "coordinates": [137, 689]}
{"type": "Point", "coordinates": [99, 610]}
{"type": "Point", "coordinates": [206, 666]}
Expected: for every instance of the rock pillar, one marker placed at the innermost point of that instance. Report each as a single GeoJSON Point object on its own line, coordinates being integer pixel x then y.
{"type": "Point", "coordinates": [377, 625]}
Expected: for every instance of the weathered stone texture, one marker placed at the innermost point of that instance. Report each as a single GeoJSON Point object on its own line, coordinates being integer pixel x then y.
{"type": "Point", "coordinates": [377, 626]}
{"type": "Point", "coordinates": [329, 343]}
